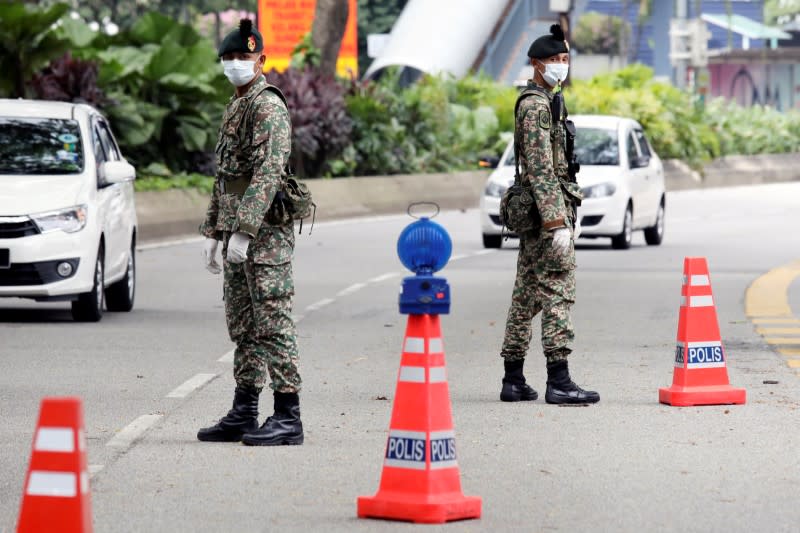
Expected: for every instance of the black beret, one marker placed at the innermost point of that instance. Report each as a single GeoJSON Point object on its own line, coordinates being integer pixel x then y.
{"type": "Point", "coordinates": [245, 39]}
{"type": "Point", "coordinates": [549, 45]}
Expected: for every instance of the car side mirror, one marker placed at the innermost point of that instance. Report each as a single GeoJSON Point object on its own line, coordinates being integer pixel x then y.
{"type": "Point", "coordinates": [488, 162]}
{"type": "Point", "coordinates": [640, 161]}
{"type": "Point", "coordinates": [116, 172]}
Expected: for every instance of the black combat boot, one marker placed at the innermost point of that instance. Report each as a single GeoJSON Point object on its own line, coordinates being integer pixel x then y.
{"type": "Point", "coordinates": [514, 387]}
{"type": "Point", "coordinates": [284, 427]}
{"type": "Point", "coordinates": [242, 417]}
{"type": "Point", "coordinates": [561, 389]}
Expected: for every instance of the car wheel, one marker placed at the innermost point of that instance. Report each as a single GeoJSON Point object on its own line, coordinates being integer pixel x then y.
{"type": "Point", "coordinates": [492, 241]}
{"type": "Point", "coordinates": [655, 233]}
{"type": "Point", "coordinates": [623, 240]}
{"type": "Point", "coordinates": [89, 305]}
{"type": "Point", "coordinates": [119, 295]}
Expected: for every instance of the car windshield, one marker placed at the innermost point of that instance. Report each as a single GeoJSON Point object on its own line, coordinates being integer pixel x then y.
{"type": "Point", "coordinates": [40, 146]}
{"type": "Point", "coordinates": [593, 146]}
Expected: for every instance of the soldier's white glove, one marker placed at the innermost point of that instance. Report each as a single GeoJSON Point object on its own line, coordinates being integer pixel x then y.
{"type": "Point", "coordinates": [237, 247]}
{"type": "Point", "coordinates": [578, 228]}
{"type": "Point", "coordinates": [210, 255]}
{"type": "Point", "coordinates": [561, 240]}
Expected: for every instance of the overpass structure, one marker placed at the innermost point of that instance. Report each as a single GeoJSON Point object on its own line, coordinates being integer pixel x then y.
{"type": "Point", "coordinates": [459, 36]}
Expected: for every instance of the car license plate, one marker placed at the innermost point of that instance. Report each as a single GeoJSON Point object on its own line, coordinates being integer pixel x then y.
{"type": "Point", "coordinates": [5, 259]}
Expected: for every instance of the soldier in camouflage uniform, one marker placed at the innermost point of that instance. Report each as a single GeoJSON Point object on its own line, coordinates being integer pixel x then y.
{"type": "Point", "coordinates": [257, 244]}
{"type": "Point", "coordinates": [545, 279]}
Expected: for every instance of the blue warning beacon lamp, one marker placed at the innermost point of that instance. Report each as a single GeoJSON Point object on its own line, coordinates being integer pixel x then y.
{"type": "Point", "coordinates": [424, 247]}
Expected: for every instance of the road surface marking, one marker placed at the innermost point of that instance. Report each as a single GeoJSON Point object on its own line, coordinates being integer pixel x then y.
{"type": "Point", "coordinates": [484, 252]}
{"type": "Point", "coordinates": [458, 256]}
{"type": "Point", "coordinates": [767, 305]}
{"type": "Point", "coordinates": [384, 277]}
{"type": "Point", "coordinates": [768, 295]}
{"type": "Point", "coordinates": [351, 289]}
{"type": "Point", "coordinates": [297, 318]}
{"type": "Point", "coordinates": [133, 431]}
{"type": "Point", "coordinates": [190, 385]}
{"type": "Point", "coordinates": [319, 305]}
{"type": "Point", "coordinates": [164, 244]}
{"type": "Point", "coordinates": [791, 341]}
{"type": "Point", "coordinates": [227, 358]}
{"type": "Point", "coordinates": [775, 321]}
{"type": "Point", "coordinates": [778, 331]}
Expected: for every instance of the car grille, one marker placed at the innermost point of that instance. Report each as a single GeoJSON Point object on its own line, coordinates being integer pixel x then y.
{"type": "Point", "coordinates": [591, 220]}
{"type": "Point", "coordinates": [20, 274]}
{"type": "Point", "coordinates": [17, 228]}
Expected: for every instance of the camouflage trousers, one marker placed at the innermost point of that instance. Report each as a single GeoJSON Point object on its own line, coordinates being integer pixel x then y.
{"type": "Point", "coordinates": [545, 283]}
{"type": "Point", "coordinates": [258, 307]}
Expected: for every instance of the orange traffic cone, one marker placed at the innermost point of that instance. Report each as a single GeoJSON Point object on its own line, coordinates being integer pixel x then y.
{"type": "Point", "coordinates": [700, 376]}
{"type": "Point", "coordinates": [56, 493]}
{"type": "Point", "coordinates": [421, 481]}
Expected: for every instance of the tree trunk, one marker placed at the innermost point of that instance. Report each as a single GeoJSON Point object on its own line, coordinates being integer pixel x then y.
{"type": "Point", "coordinates": [330, 19]}
{"type": "Point", "coordinates": [217, 30]}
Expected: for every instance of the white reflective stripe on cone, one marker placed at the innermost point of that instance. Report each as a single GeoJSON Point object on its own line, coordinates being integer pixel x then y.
{"type": "Point", "coordinates": [415, 345]}
{"type": "Point", "coordinates": [412, 374]}
{"type": "Point", "coordinates": [436, 346]}
{"type": "Point", "coordinates": [701, 301]}
{"type": "Point", "coordinates": [54, 439]}
{"type": "Point", "coordinates": [437, 374]}
{"type": "Point", "coordinates": [82, 439]}
{"type": "Point", "coordinates": [700, 280]}
{"type": "Point", "coordinates": [58, 484]}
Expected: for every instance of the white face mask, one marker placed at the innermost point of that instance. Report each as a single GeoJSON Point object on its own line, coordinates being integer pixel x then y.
{"type": "Point", "coordinates": [555, 73]}
{"type": "Point", "coordinates": [239, 72]}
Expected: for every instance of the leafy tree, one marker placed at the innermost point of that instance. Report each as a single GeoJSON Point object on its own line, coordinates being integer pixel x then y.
{"type": "Point", "coordinates": [28, 43]}
{"type": "Point", "coordinates": [71, 80]}
{"type": "Point", "coordinates": [596, 33]}
{"type": "Point", "coordinates": [781, 11]}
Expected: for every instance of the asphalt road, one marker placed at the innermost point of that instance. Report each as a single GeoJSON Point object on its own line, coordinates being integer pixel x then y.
{"type": "Point", "coordinates": [625, 464]}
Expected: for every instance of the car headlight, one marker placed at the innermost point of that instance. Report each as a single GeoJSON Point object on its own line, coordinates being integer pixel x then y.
{"type": "Point", "coordinates": [495, 189]}
{"type": "Point", "coordinates": [67, 220]}
{"type": "Point", "coordinates": [599, 191]}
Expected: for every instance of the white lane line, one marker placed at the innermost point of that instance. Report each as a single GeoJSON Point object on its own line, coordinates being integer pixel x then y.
{"type": "Point", "coordinates": [351, 289]}
{"type": "Point", "coordinates": [227, 358]}
{"type": "Point", "coordinates": [484, 252]}
{"type": "Point", "coordinates": [130, 433]}
{"type": "Point", "coordinates": [458, 256]}
{"type": "Point", "coordinates": [384, 277]}
{"type": "Point", "coordinates": [296, 318]}
{"type": "Point", "coordinates": [94, 469]}
{"type": "Point", "coordinates": [190, 385]}
{"type": "Point", "coordinates": [319, 305]}
{"type": "Point", "coordinates": [164, 244]}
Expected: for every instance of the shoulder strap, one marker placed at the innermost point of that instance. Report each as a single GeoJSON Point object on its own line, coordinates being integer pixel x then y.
{"type": "Point", "coordinates": [528, 91]}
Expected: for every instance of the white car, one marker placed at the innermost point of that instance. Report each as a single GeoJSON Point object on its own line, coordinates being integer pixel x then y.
{"type": "Point", "coordinates": [621, 177]}
{"type": "Point", "coordinates": [67, 213]}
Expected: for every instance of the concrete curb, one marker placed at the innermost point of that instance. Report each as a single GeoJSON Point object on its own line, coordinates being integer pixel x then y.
{"type": "Point", "coordinates": [173, 213]}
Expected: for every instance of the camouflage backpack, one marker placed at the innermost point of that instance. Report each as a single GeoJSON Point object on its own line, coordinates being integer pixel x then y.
{"type": "Point", "coordinates": [518, 211]}
{"type": "Point", "coordinates": [293, 201]}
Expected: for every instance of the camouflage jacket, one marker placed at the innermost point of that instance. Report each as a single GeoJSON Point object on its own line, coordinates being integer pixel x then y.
{"type": "Point", "coordinates": [254, 145]}
{"type": "Point", "coordinates": [542, 139]}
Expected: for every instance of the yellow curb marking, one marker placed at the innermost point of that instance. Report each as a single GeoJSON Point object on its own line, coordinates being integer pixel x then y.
{"type": "Point", "coordinates": [783, 340]}
{"type": "Point", "coordinates": [779, 331]}
{"type": "Point", "coordinates": [766, 321]}
{"type": "Point", "coordinates": [767, 305]}
{"type": "Point", "coordinates": [768, 295]}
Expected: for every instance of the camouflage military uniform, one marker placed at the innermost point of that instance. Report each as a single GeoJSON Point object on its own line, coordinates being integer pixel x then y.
{"type": "Point", "coordinates": [254, 145]}
{"type": "Point", "coordinates": [545, 277]}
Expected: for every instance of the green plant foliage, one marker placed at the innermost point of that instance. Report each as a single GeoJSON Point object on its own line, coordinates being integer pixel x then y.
{"type": "Point", "coordinates": [28, 43]}
{"type": "Point", "coordinates": [148, 182]}
{"type": "Point", "coordinates": [168, 93]}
